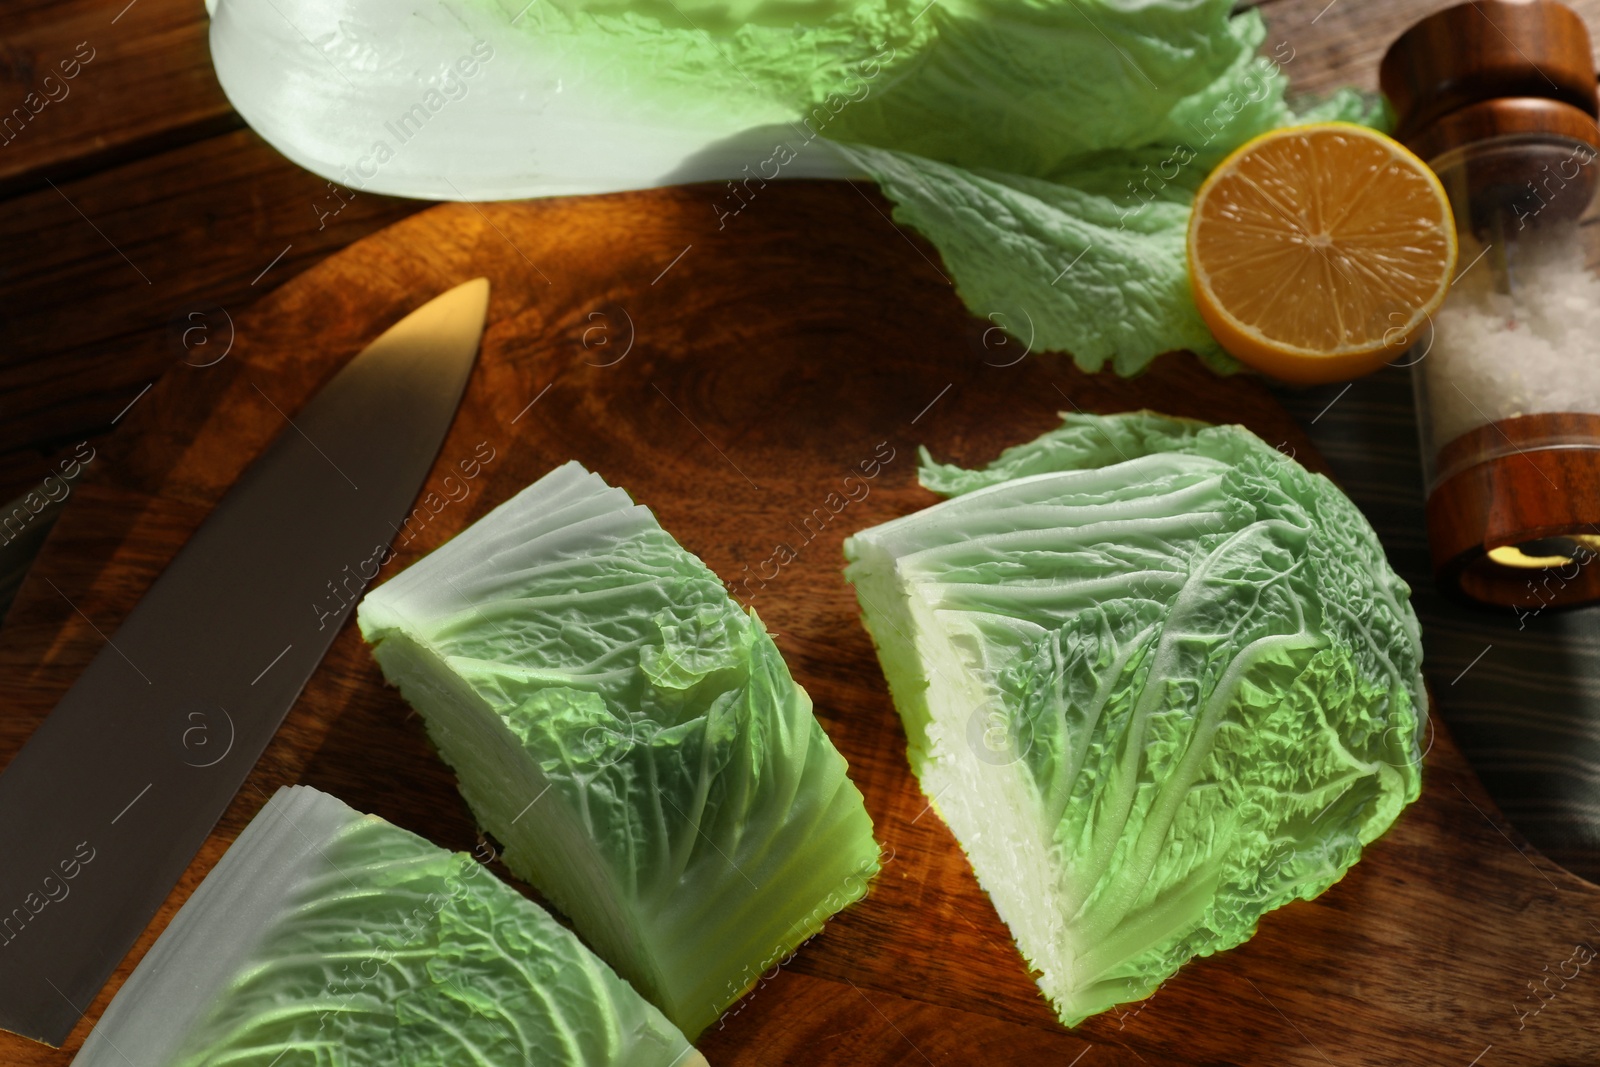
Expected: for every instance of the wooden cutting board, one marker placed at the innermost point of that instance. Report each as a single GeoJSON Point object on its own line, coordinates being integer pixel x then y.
{"type": "Point", "coordinates": [731, 377]}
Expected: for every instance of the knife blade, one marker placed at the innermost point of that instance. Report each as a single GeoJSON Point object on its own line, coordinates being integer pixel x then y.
{"type": "Point", "coordinates": [107, 803]}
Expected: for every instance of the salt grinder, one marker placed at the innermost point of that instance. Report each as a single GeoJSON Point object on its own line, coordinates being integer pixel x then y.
{"type": "Point", "coordinates": [1499, 97]}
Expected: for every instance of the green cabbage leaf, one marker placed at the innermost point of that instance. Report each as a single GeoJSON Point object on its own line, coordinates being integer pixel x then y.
{"type": "Point", "coordinates": [1050, 149]}
{"type": "Point", "coordinates": [1158, 678]}
{"type": "Point", "coordinates": [329, 938]}
{"type": "Point", "coordinates": [631, 736]}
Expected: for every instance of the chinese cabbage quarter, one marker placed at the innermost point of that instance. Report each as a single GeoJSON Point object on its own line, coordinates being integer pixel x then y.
{"type": "Point", "coordinates": [1050, 149]}
{"type": "Point", "coordinates": [1157, 677]}
{"type": "Point", "coordinates": [632, 737]}
{"type": "Point", "coordinates": [329, 938]}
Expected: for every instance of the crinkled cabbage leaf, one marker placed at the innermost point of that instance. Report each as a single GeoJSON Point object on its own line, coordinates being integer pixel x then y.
{"type": "Point", "coordinates": [1158, 678]}
{"type": "Point", "coordinates": [329, 938]}
{"type": "Point", "coordinates": [1049, 148]}
{"type": "Point", "coordinates": [631, 735]}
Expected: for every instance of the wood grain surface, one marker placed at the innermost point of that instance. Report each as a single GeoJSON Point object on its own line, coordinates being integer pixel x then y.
{"type": "Point", "coordinates": [108, 281]}
{"type": "Point", "coordinates": [110, 82]}
{"type": "Point", "coordinates": [730, 380]}
{"type": "Point", "coordinates": [152, 175]}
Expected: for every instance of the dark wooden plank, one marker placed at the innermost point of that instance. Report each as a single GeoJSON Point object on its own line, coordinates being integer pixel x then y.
{"type": "Point", "coordinates": [85, 84]}
{"type": "Point", "coordinates": [200, 222]}
{"type": "Point", "coordinates": [794, 1020]}
{"type": "Point", "coordinates": [108, 281]}
{"type": "Point", "coordinates": [731, 395]}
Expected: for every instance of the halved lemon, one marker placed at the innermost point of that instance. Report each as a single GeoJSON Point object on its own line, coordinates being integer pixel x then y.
{"type": "Point", "coordinates": [1317, 252]}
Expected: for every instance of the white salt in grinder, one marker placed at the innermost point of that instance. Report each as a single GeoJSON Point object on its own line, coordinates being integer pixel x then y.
{"type": "Point", "coordinates": [1499, 98]}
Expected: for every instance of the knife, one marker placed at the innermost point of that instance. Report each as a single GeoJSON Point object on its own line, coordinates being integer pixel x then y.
{"type": "Point", "coordinates": [108, 802]}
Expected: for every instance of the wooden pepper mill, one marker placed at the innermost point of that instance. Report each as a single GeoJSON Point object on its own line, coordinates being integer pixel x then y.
{"type": "Point", "coordinates": [1499, 97]}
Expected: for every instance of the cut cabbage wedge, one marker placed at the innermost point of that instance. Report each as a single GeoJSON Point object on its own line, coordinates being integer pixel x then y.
{"type": "Point", "coordinates": [1157, 677]}
{"type": "Point", "coordinates": [331, 938]}
{"type": "Point", "coordinates": [631, 736]}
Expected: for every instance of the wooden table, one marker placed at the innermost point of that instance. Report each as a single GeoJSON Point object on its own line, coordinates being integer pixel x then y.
{"type": "Point", "coordinates": [143, 217]}
{"type": "Point", "coordinates": [138, 207]}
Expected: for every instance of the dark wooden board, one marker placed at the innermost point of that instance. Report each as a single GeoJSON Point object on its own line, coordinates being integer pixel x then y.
{"type": "Point", "coordinates": [136, 145]}
{"type": "Point", "coordinates": [730, 379]}
{"type": "Point", "coordinates": [125, 80]}
{"type": "Point", "coordinates": [107, 281]}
